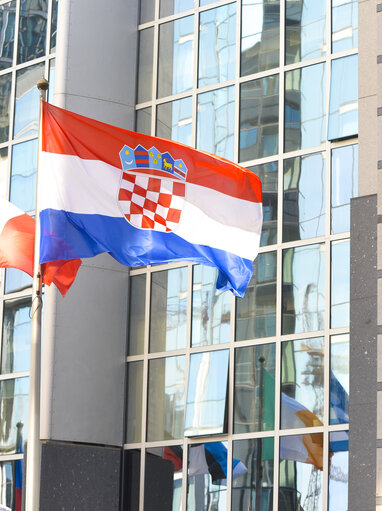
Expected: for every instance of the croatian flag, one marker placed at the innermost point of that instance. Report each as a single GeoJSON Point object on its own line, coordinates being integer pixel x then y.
{"type": "Point", "coordinates": [144, 200]}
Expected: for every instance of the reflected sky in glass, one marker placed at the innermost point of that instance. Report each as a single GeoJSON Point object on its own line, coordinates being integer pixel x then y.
{"type": "Point", "coordinates": [304, 197]}
{"type": "Point", "coordinates": [137, 314]}
{"type": "Point", "coordinates": [303, 293]}
{"type": "Point", "coordinates": [7, 33]}
{"type": "Point", "coordinates": [134, 401]}
{"type": "Point", "coordinates": [143, 121]}
{"type": "Point", "coordinates": [344, 185]}
{"type": "Point", "coordinates": [260, 35]}
{"type": "Point", "coordinates": [4, 173]}
{"type": "Point", "coordinates": [216, 118]}
{"type": "Point", "coordinates": [7, 481]}
{"type": "Point", "coordinates": [339, 379]}
{"type": "Point", "coordinates": [338, 471]}
{"type": "Point", "coordinates": [305, 107]}
{"type": "Point", "coordinates": [5, 105]}
{"type": "Point", "coordinates": [15, 280]}
{"type": "Point", "coordinates": [217, 38]}
{"type": "Point", "coordinates": [23, 175]}
{"type": "Point", "coordinates": [168, 7]}
{"type": "Point", "coordinates": [14, 408]}
{"type": "Point", "coordinates": [145, 64]}
{"type": "Point", "coordinates": [343, 105]}
{"type": "Point", "coordinates": [16, 337]}
{"type": "Point", "coordinates": [32, 30]}
{"type": "Point", "coordinates": [344, 25]}
{"type": "Point", "coordinates": [27, 101]}
{"type": "Point", "coordinates": [207, 393]}
{"type": "Point", "coordinates": [53, 28]}
{"type": "Point", "coordinates": [268, 174]}
{"type": "Point", "coordinates": [174, 121]}
{"type": "Point", "coordinates": [340, 284]}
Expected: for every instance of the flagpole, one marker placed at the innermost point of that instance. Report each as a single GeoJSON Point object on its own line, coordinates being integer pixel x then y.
{"type": "Point", "coordinates": [32, 479]}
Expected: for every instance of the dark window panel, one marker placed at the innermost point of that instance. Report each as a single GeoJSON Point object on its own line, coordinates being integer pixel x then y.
{"type": "Point", "coordinates": [7, 34]}
{"type": "Point", "coordinates": [16, 336]}
{"type": "Point", "coordinates": [5, 105]}
{"type": "Point", "coordinates": [137, 314]}
{"type": "Point", "coordinates": [32, 30]}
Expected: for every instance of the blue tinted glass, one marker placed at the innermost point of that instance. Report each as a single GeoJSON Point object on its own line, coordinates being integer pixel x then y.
{"type": "Point", "coordinates": [344, 25]}
{"type": "Point", "coordinates": [23, 175]}
{"type": "Point", "coordinates": [16, 337]}
{"type": "Point", "coordinates": [216, 117]}
{"type": "Point", "coordinates": [53, 29]}
{"type": "Point", "coordinates": [340, 286]}
{"type": "Point", "coordinates": [217, 45]}
{"type": "Point", "coordinates": [32, 30]}
{"type": "Point", "coordinates": [7, 33]}
{"type": "Point", "coordinates": [27, 101]}
{"type": "Point", "coordinates": [338, 471]}
{"type": "Point", "coordinates": [174, 121]}
{"type": "Point", "coordinates": [16, 280]}
{"type": "Point", "coordinates": [305, 107]}
{"type": "Point", "coordinates": [343, 106]}
{"type": "Point", "coordinates": [207, 393]}
{"type": "Point", "coordinates": [5, 105]}
{"type": "Point", "coordinates": [14, 409]}
{"type": "Point", "coordinates": [269, 177]}
{"type": "Point", "coordinates": [339, 379]}
{"type": "Point", "coordinates": [344, 185]}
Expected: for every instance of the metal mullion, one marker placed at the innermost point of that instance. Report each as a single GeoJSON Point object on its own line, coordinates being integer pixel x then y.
{"type": "Point", "coordinates": [306, 151]}
{"type": "Point", "coordinates": [236, 129]}
{"type": "Point", "coordinates": [12, 108]}
{"type": "Point", "coordinates": [304, 242]}
{"type": "Point", "coordinates": [339, 331]}
{"type": "Point", "coordinates": [215, 4]}
{"type": "Point", "coordinates": [13, 376]}
{"type": "Point", "coordinates": [303, 335]}
{"type": "Point", "coordinates": [259, 341]}
{"type": "Point", "coordinates": [11, 457]}
{"type": "Point", "coordinates": [158, 267]}
{"type": "Point", "coordinates": [339, 427]}
{"type": "Point", "coordinates": [253, 435]}
{"type": "Point", "coordinates": [195, 65]}
{"type": "Point", "coordinates": [325, 472]}
{"type": "Point", "coordinates": [209, 347]}
{"type": "Point", "coordinates": [30, 63]}
{"type": "Point", "coordinates": [276, 463]}
{"type": "Point", "coordinates": [184, 474]}
{"type": "Point", "coordinates": [229, 472]}
{"type": "Point", "coordinates": [155, 73]}
{"type": "Point", "coordinates": [259, 161]}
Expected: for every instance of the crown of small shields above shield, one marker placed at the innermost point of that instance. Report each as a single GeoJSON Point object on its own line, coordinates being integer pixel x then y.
{"type": "Point", "coordinates": [140, 157]}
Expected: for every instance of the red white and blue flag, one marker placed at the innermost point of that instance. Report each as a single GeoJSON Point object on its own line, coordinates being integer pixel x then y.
{"type": "Point", "coordinates": [144, 200]}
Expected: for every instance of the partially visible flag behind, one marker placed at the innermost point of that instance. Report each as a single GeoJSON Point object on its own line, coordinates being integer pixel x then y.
{"type": "Point", "coordinates": [17, 248]}
{"type": "Point", "coordinates": [144, 200]}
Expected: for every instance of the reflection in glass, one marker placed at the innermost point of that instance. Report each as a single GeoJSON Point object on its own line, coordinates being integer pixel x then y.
{"type": "Point", "coordinates": [52, 80]}
{"type": "Point", "coordinates": [344, 185]}
{"type": "Point", "coordinates": [16, 280]}
{"type": "Point", "coordinates": [16, 336]}
{"type": "Point", "coordinates": [176, 49]}
{"type": "Point", "coordinates": [304, 197]}
{"type": "Point", "coordinates": [5, 105]}
{"type": "Point", "coordinates": [305, 107]}
{"type": "Point", "coordinates": [4, 173]}
{"type": "Point", "coordinates": [303, 293]}
{"type": "Point", "coordinates": [174, 121]}
{"type": "Point", "coordinates": [216, 118]}
{"type": "Point", "coordinates": [305, 31]}
{"type": "Point", "coordinates": [163, 478]}
{"type": "Point", "coordinates": [211, 309]}
{"type": "Point", "coordinates": [9, 480]}
{"type": "Point", "coordinates": [259, 117]}
{"type": "Point", "coordinates": [145, 65]}
{"type": "Point", "coordinates": [143, 121]}
{"type": "Point", "coordinates": [338, 470]}
{"type": "Point", "coordinates": [53, 28]}
{"type": "Point", "coordinates": [254, 390]}
{"type": "Point", "coordinates": [300, 477]}
{"type": "Point", "coordinates": [260, 35]}
{"type": "Point", "coordinates": [207, 474]}
{"type": "Point", "coordinates": [302, 383]}
{"type": "Point", "coordinates": [340, 284]}
{"type": "Point", "coordinates": [257, 456]}
{"type": "Point", "coordinates": [32, 30]}
{"type": "Point", "coordinates": [217, 38]}
{"type": "Point", "coordinates": [132, 479]}
{"type": "Point", "coordinates": [339, 379]}
{"type": "Point", "coordinates": [165, 412]}
{"type": "Point", "coordinates": [14, 410]}
{"type": "Point", "coordinates": [256, 311]}
{"type": "Point", "coordinates": [343, 105]}
{"type": "Point", "coordinates": [134, 401]}
{"type": "Point", "coordinates": [137, 314]}
{"type": "Point", "coordinates": [168, 312]}
{"type": "Point", "coordinates": [7, 33]}
{"type": "Point", "coordinates": [147, 10]}
{"type": "Point", "coordinates": [169, 7]}
{"type": "Point", "coordinates": [207, 393]}
{"type": "Point", "coordinates": [23, 175]}
{"type": "Point", "coordinates": [344, 25]}
{"type": "Point", "coordinates": [267, 172]}
{"type": "Point", "coordinates": [27, 101]}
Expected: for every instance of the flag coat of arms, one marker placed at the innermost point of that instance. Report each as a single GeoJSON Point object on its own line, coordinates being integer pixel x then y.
{"type": "Point", "coordinates": [144, 200]}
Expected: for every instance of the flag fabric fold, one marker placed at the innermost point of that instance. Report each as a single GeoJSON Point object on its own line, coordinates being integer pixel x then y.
{"type": "Point", "coordinates": [144, 200]}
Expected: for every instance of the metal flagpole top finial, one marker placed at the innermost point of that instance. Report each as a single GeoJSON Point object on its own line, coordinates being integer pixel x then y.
{"type": "Point", "coordinates": [43, 84]}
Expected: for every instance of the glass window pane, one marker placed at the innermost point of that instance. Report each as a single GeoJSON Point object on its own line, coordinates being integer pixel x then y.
{"type": "Point", "coordinates": [132, 478]}
{"type": "Point", "coordinates": [343, 105]}
{"type": "Point", "coordinates": [11, 473]}
{"type": "Point", "coordinates": [147, 10]}
{"type": "Point", "coordinates": [165, 411]}
{"type": "Point", "coordinates": [305, 31]}
{"type": "Point", "coordinates": [260, 35]}
{"type": "Point", "coordinates": [143, 121]}
{"type": "Point", "coordinates": [207, 474]}
{"type": "Point", "coordinates": [14, 410]}
{"type": "Point", "coordinates": [254, 391]}
{"type": "Point", "coordinates": [300, 477]}
{"type": "Point", "coordinates": [339, 379]}
{"type": "Point", "coordinates": [16, 336]}
{"type": "Point", "coordinates": [256, 456]}
{"type": "Point", "coordinates": [7, 33]}
{"type": "Point", "coordinates": [169, 7]}
{"type": "Point", "coordinates": [163, 478]}
{"type": "Point", "coordinates": [4, 193]}
{"type": "Point", "coordinates": [207, 393]}
{"type": "Point", "coordinates": [256, 311]}
{"type": "Point", "coordinates": [344, 25]}
{"type": "Point", "coordinates": [304, 197]}
{"type": "Point", "coordinates": [216, 118]}
{"type": "Point", "coordinates": [5, 105]}
{"type": "Point", "coordinates": [338, 471]}
{"type": "Point", "coordinates": [303, 293]}
{"type": "Point", "coordinates": [259, 117]}
{"type": "Point", "coordinates": [168, 311]}
{"type": "Point", "coordinates": [134, 401]}
{"type": "Point", "coordinates": [145, 65]}
{"type": "Point", "coordinates": [137, 314]}
{"type": "Point", "coordinates": [211, 309]}
{"type": "Point", "coordinates": [340, 284]}
{"type": "Point", "coordinates": [176, 49]}
{"type": "Point", "coordinates": [16, 280]}
{"type": "Point", "coordinates": [52, 79]}
{"type": "Point", "coordinates": [32, 30]}
{"type": "Point", "coordinates": [174, 121]}
{"type": "Point", "coordinates": [27, 101]}
{"type": "Point", "coordinates": [344, 185]}
{"type": "Point", "coordinates": [23, 175]}
{"type": "Point", "coordinates": [53, 29]}
{"type": "Point", "coordinates": [268, 174]}
{"type": "Point", "coordinates": [305, 107]}
{"type": "Point", "coordinates": [217, 45]}
{"type": "Point", "coordinates": [302, 383]}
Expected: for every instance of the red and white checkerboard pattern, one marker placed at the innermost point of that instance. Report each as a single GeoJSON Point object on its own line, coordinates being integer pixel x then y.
{"type": "Point", "coordinates": [151, 202]}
